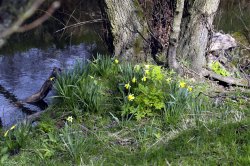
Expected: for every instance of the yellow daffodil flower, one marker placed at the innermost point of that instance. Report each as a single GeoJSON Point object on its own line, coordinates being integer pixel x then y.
{"type": "Point", "coordinates": [127, 86]}
{"type": "Point", "coordinates": [169, 80]}
{"type": "Point", "coordinates": [137, 68]}
{"type": "Point", "coordinates": [182, 84]}
{"type": "Point", "coordinates": [134, 80]}
{"type": "Point", "coordinates": [51, 78]}
{"type": "Point", "coordinates": [147, 67]}
{"type": "Point", "coordinates": [6, 133]}
{"type": "Point", "coordinates": [70, 119]}
{"type": "Point", "coordinates": [146, 72]}
{"type": "Point", "coordinates": [190, 89]}
{"type": "Point", "coordinates": [116, 61]}
{"type": "Point", "coordinates": [144, 78]}
{"type": "Point", "coordinates": [12, 128]}
{"type": "Point", "coordinates": [131, 97]}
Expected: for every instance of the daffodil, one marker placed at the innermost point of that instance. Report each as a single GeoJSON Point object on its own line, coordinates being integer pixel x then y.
{"type": "Point", "coordinates": [116, 61]}
{"type": "Point", "coordinates": [147, 67]}
{"type": "Point", "coordinates": [131, 97]}
{"type": "Point", "coordinates": [6, 133]}
{"type": "Point", "coordinates": [144, 78]}
{"type": "Point", "coordinates": [70, 119]}
{"type": "Point", "coordinates": [137, 68]}
{"type": "Point", "coordinates": [52, 78]}
{"type": "Point", "coordinates": [190, 89]}
{"type": "Point", "coordinates": [182, 84]}
{"type": "Point", "coordinates": [169, 80]}
{"type": "Point", "coordinates": [127, 86]}
{"type": "Point", "coordinates": [133, 79]}
{"type": "Point", "coordinates": [146, 72]}
{"type": "Point", "coordinates": [12, 128]}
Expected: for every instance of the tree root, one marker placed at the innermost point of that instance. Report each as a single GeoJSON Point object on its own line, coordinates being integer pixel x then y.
{"type": "Point", "coordinates": [227, 80]}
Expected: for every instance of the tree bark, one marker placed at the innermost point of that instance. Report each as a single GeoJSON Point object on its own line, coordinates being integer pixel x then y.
{"type": "Point", "coordinates": [127, 28]}
{"type": "Point", "coordinates": [196, 31]}
{"type": "Point", "coordinates": [174, 36]}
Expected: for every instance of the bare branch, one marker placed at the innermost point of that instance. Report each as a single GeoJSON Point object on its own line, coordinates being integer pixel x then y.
{"type": "Point", "coordinates": [55, 5]}
{"type": "Point", "coordinates": [80, 23]}
{"type": "Point", "coordinates": [21, 19]}
{"type": "Point", "coordinates": [228, 80]}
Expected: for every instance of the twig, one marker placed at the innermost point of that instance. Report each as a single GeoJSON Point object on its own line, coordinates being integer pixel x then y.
{"type": "Point", "coordinates": [223, 95]}
{"type": "Point", "coordinates": [80, 23]}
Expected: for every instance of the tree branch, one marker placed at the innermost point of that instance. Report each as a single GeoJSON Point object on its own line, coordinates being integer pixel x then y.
{"type": "Point", "coordinates": [17, 26]}
{"type": "Point", "coordinates": [55, 5]}
{"type": "Point", "coordinates": [228, 80]}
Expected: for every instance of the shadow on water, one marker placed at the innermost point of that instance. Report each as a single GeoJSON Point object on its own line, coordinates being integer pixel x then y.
{"type": "Point", "coordinates": [13, 99]}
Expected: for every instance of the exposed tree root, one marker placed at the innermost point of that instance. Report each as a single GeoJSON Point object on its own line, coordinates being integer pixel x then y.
{"type": "Point", "coordinates": [225, 79]}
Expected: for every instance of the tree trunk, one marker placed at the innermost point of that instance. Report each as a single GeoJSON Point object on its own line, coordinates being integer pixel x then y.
{"type": "Point", "coordinates": [196, 31]}
{"type": "Point", "coordinates": [174, 36]}
{"type": "Point", "coordinates": [127, 28]}
{"type": "Point", "coordinates": [190, 42]}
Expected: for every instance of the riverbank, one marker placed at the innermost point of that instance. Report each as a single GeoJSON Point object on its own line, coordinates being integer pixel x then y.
{"type": "Point", "coordinates": [113, 113]}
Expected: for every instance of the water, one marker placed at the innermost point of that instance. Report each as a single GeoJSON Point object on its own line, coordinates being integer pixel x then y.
{"type": "Point", "coordinates": [28, 58]}
{"type": "Point", "coordinates": [233, 16]}
{"type": "Point", "coordinates": [23, 73]}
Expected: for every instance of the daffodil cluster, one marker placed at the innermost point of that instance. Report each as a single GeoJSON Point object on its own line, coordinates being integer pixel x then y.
{"type": "Point", "coordinates": [183, 84]}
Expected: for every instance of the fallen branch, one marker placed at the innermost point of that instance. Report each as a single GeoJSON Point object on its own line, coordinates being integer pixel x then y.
{"type": "Point", "coordinates": [225, 79]}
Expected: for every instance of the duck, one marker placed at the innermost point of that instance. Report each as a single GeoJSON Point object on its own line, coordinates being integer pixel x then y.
{"type": "Point", "coordinates": [46, 87]}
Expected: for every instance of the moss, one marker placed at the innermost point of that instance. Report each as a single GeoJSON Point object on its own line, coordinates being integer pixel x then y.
{"type": "Point", "coordinates": [240, 37]}
{"type": "Point", "coordinates": [219, 69]}
{"type": "Point", "coordinates": [137, 46]}
{"type": "Point", "coordinates": [138, 9]}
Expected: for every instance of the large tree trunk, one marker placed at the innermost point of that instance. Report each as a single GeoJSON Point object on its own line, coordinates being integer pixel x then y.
{"type": "Point", "coordinates": [127, 28]}
{"type": "Point", "coordinates": [196, 31]}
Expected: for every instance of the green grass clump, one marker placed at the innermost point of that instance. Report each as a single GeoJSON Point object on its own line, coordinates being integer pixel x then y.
{"type": "Point", "coordinates": [111, 113]}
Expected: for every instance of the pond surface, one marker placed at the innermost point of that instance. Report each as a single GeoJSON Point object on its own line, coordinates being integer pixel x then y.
{"type": "Point", "coordinates": [23, 73]}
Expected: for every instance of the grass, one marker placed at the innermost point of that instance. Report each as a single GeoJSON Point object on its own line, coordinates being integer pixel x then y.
{"type": "Point", "coordinates": [167, 123]}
